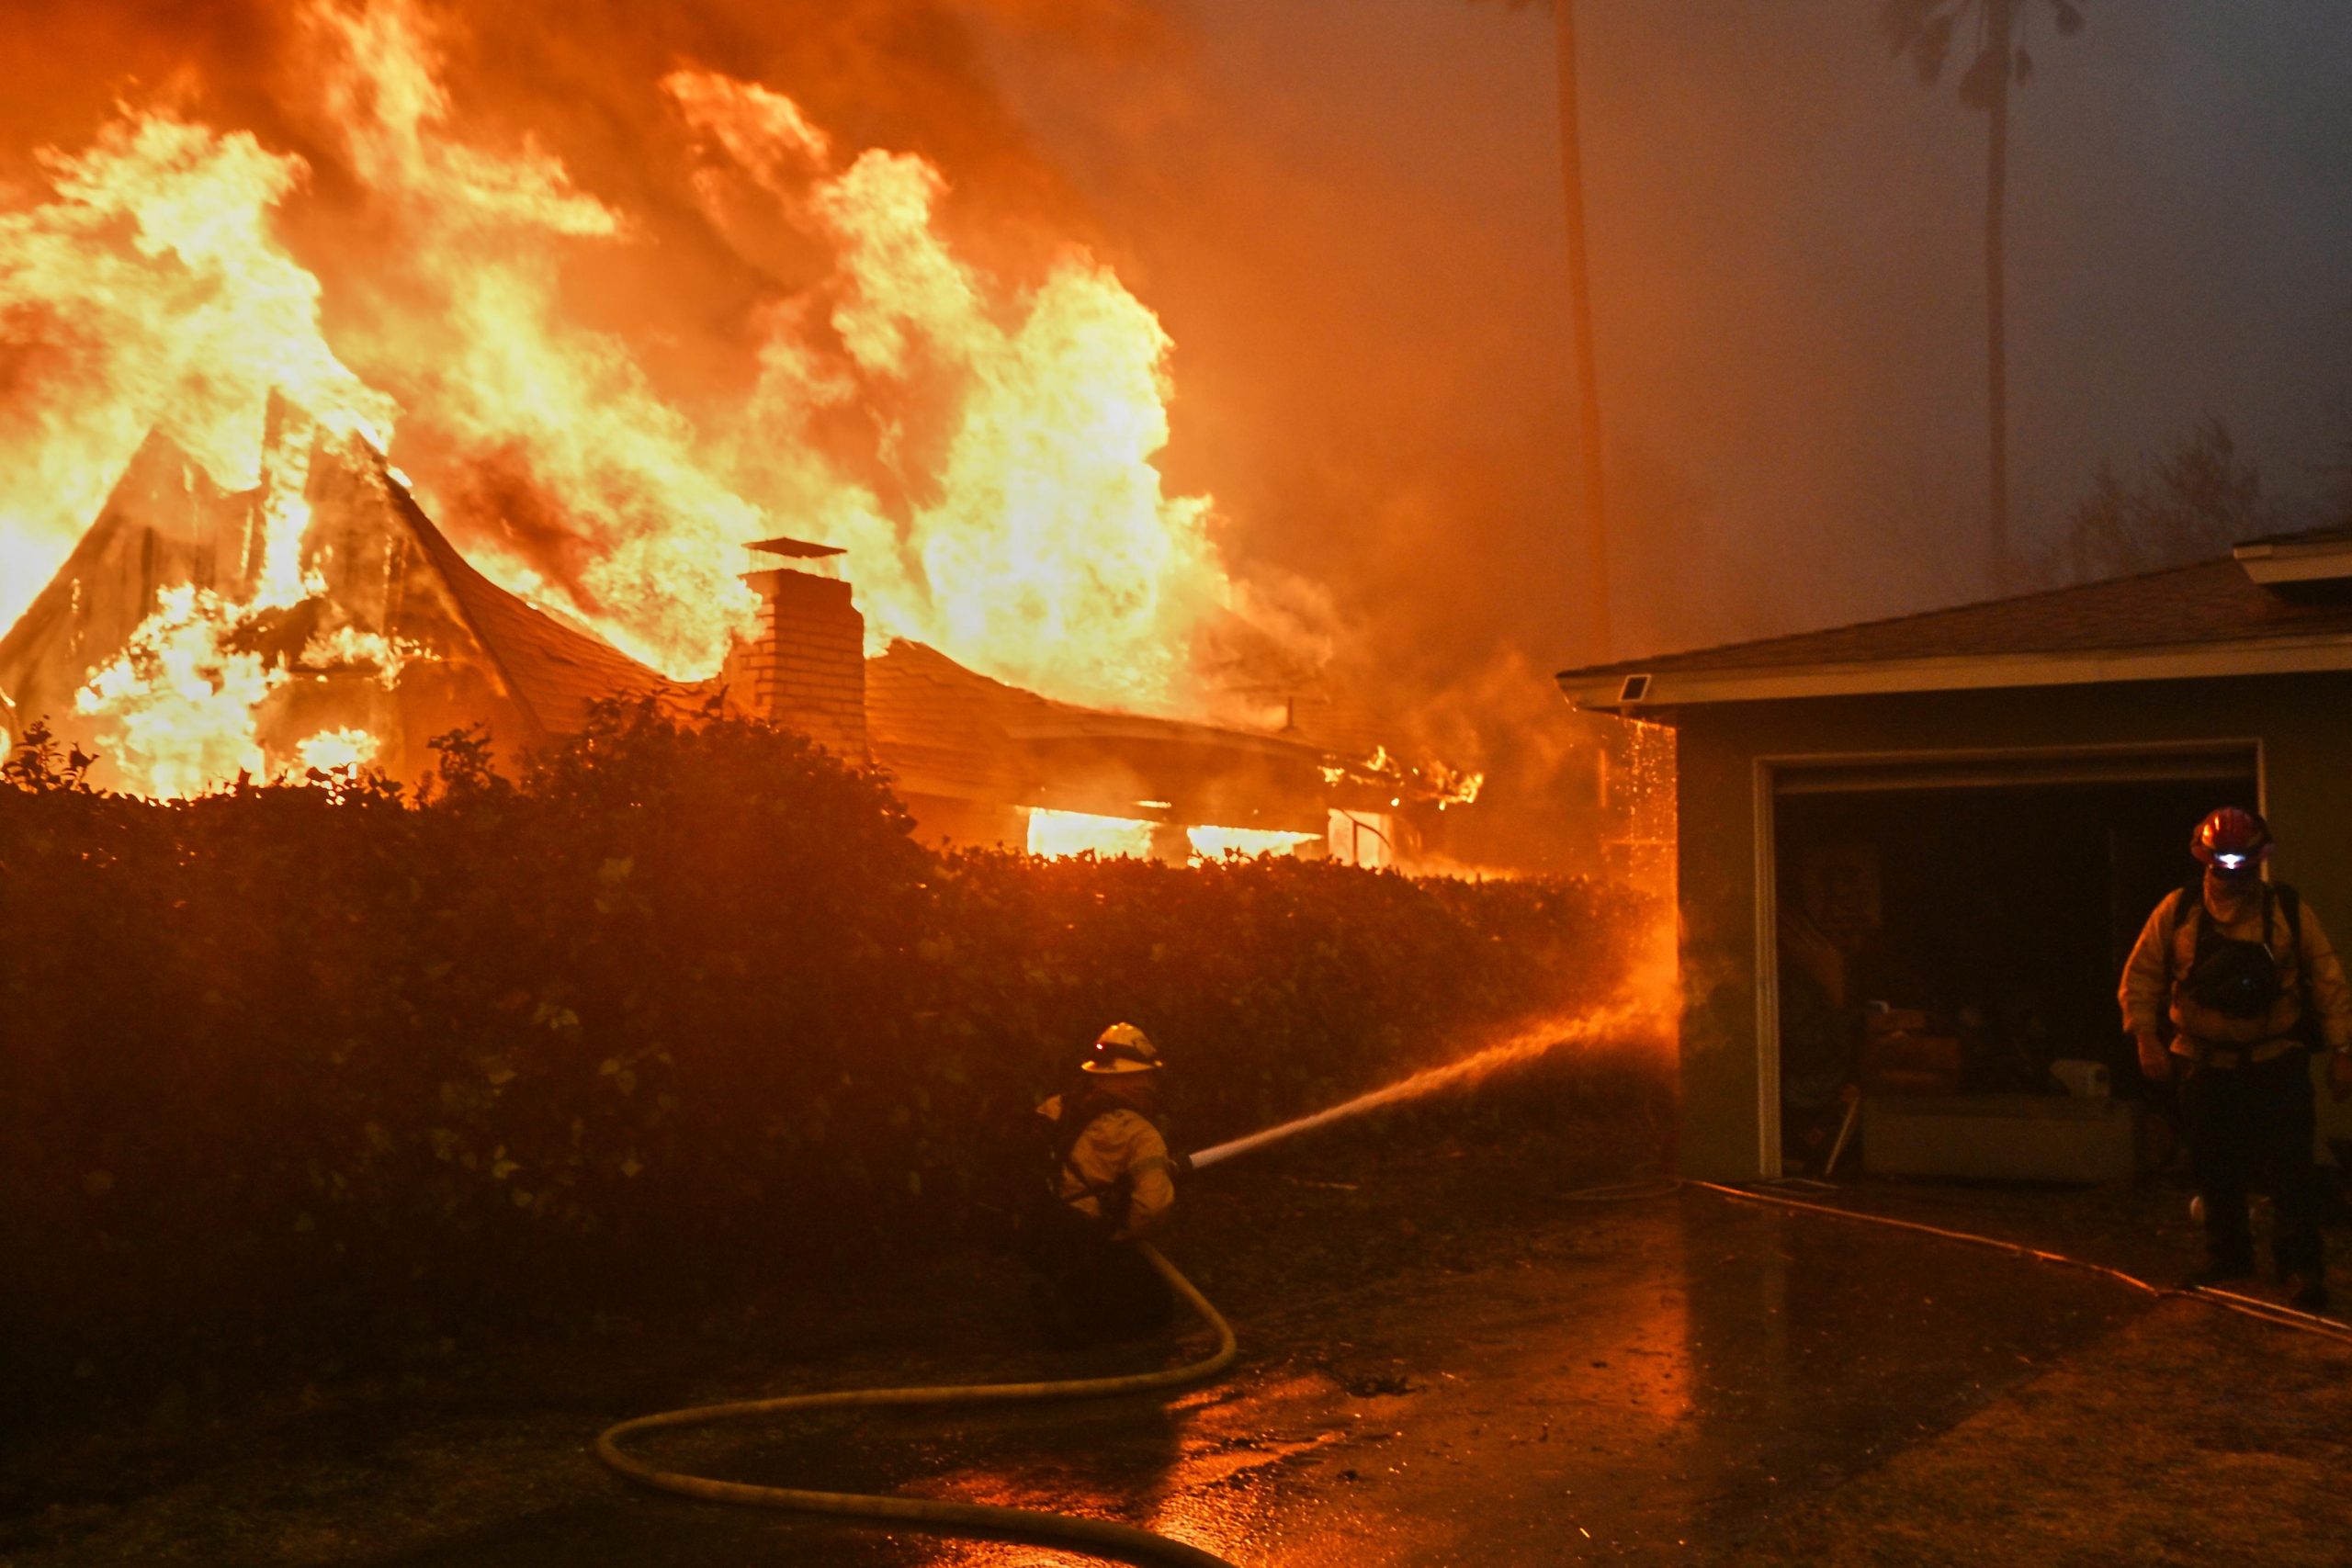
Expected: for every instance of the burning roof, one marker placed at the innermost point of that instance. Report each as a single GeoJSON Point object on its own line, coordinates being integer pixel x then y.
{"type": "Point", "coordinates": [943, 731]}
{"type": "Point", "coordinates": [162, 638]}
{"type": "Point", "coordinates": [981, 443]}
{"type": "Point", "coordinates": [282, 313]}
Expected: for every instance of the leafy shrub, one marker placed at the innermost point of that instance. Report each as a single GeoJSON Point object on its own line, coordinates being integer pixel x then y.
{"type": "Point", "coordinates": [302, 1071]}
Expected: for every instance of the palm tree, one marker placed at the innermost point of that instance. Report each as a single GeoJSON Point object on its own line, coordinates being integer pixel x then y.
{"type": "Point", "coordinates": [1596, 523]}
{"type": "Point", "coordinates": [1925, 29]}
{"type": "Point", "coordinates": [1596, 527]}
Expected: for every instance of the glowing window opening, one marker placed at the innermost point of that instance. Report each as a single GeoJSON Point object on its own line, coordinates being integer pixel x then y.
{"type": "Point", "coordinates": [1057, 835]}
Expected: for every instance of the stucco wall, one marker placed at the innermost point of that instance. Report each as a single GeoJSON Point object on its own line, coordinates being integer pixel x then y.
{"type": "Point", "coordinates": [2304, 722]}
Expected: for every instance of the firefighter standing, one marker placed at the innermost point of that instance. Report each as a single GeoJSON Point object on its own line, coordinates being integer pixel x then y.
{"type": "Point", "coordinates": [1111, 1181]}
{"type": "Point", "coordinates": [2243, 973]}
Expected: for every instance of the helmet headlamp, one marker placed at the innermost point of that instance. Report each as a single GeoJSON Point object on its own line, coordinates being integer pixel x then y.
{"type": "Point", "coordinates": [1122, 1048]}
{"type": "Point", "coordinates": [2232, 841]}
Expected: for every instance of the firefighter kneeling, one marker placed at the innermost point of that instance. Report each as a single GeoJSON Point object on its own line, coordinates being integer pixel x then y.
{"type": "Point", "coordinates": [2249, 985]}
{"type": "Point", "coordinates": [1111, 1181]}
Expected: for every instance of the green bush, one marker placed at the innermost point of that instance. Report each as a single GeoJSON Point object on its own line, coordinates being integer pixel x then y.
{"type": "Point", "coordinates": [301, 1072]}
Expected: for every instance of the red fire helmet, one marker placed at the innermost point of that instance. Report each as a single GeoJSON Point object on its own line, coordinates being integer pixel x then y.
{"type": "Point", "coordinates": [2232, 840]}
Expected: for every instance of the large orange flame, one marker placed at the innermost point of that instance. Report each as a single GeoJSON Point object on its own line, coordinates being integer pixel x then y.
{"type": "Point", "coordinates": [982, 447]}
{"type": "Point", "coordinates": [149, 291]}
{"type": "Point", "coordinates": [1050, 555]}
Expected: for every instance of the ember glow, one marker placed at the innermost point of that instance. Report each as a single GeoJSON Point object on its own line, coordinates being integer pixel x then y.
{"type": "Point", "coordinates": [982, 445]}
{"type": "Point", "coordinates": [178, 706]}
{"type": "Point", "coordinates": [332, 750]}
{"type": "Point", "coordinates": [1060, 834]}
{"type": "Point", "coordinates": [181, 710]}
{"type": "Point", "coordinates": [1216, 843]}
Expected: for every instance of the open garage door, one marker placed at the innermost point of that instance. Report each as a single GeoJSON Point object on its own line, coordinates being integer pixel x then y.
{"type": "Point", "coordinates": [1950, 927]}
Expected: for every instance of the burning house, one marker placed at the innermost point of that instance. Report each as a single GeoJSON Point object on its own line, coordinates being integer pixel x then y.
{"type": "Point", "coordinates": [1943, 832]}
{"type": "Point", "coordinates": [171, 638]}
{"type": "Point", "coordinates": [1022, 623]}
{"type": "Point", "coordinates": [175, 637]}
{"type": "Point", "coordinates": [981, 761]}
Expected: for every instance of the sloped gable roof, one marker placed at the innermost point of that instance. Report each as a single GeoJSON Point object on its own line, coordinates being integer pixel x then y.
{"type": "Point", "coordinates": [551, 670]}
{"type": "Point", "coordinates": [937, 726]}
{"type": "Point", "coordinates": [165, 524]}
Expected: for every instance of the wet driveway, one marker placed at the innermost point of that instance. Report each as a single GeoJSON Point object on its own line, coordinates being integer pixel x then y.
{"type": "Point", "coordinates": [1643, 1381]}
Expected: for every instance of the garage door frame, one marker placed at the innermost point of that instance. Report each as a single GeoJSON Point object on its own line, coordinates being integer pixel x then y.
{"type": "Point", "coordinates": [2172, 761]}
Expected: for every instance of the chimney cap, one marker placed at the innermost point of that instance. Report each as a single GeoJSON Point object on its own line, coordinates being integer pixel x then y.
{"type": "Point", "coordinates": [795, 550]}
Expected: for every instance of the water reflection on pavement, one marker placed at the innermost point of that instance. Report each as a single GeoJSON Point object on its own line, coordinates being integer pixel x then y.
{"type": "Point", "coordinates": [1642, 1382]}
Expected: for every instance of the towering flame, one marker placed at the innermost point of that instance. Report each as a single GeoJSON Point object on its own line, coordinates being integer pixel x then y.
{"type": "Point", "coordinates": [1048, 553]}
{"type": "Point", "coordinates": [982, 445]}
{"type": "Point", "coordinates": [148, 290]}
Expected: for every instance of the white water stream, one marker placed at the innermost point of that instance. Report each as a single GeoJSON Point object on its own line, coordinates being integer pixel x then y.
{"type": "Point", "coordinates": [1628, 1019]}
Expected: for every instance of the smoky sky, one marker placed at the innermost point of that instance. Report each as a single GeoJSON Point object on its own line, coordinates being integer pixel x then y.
{"type": "Point", "coordinates": [1348, 213]}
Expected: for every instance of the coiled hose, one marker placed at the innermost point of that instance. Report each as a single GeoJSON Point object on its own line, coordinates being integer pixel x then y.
{"type": "Point", "coordinates": [1124, 1542]}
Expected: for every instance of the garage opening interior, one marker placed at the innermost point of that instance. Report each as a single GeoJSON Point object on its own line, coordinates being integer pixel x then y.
{"type": "Point", "coordinates": [1959, 939]}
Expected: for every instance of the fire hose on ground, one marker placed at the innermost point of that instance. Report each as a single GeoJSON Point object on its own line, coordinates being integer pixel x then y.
{"type": "Point", "coordinates": [1130, 1543]}
{"type": "Point", "coordinates": [1117, 1540]}
{"type": "Point", "coordinates": [2272, 1313]}
{"type": "Point", "coordinates": [1125, 1543]}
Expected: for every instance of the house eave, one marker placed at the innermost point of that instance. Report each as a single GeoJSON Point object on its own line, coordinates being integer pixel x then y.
{"type": "Point", "coordinates": [2275, 562]}
{"type": "Point", "coordinates": [1090, 727]}
{"type": "Point", "coordinates": [1605, 690]}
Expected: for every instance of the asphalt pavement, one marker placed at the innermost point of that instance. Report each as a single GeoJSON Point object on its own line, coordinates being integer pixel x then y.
{"type": "Point", "coordinates": [1641, 1382]}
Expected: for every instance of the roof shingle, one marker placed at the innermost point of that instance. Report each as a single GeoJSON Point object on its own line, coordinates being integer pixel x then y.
{"type": "Point", "coordinates": [2209, 602]}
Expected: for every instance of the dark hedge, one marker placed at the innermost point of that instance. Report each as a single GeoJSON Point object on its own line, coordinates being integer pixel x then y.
{"type": "Point", "coordinates": [308, 1073]}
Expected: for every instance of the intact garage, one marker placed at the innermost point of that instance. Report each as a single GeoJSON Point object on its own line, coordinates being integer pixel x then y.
{"type": "Point", "coordinates": [1912, 854]}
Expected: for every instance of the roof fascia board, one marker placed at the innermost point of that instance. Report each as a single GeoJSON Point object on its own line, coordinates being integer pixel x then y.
{"type": "Point", "coordinates": [2317, 561]}
{"type": "Point", "coordinates": [1670, 688]}
{"type": "Point", "coordinates": [1098, 726]}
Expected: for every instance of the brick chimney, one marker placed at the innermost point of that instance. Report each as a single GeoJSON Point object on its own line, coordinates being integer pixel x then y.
{"type": "Point", "coordinates": [807, 667]}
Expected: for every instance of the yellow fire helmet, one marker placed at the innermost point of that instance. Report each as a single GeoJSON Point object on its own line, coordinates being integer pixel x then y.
{"type": "Point", "coordinates": [1122, 1048]}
